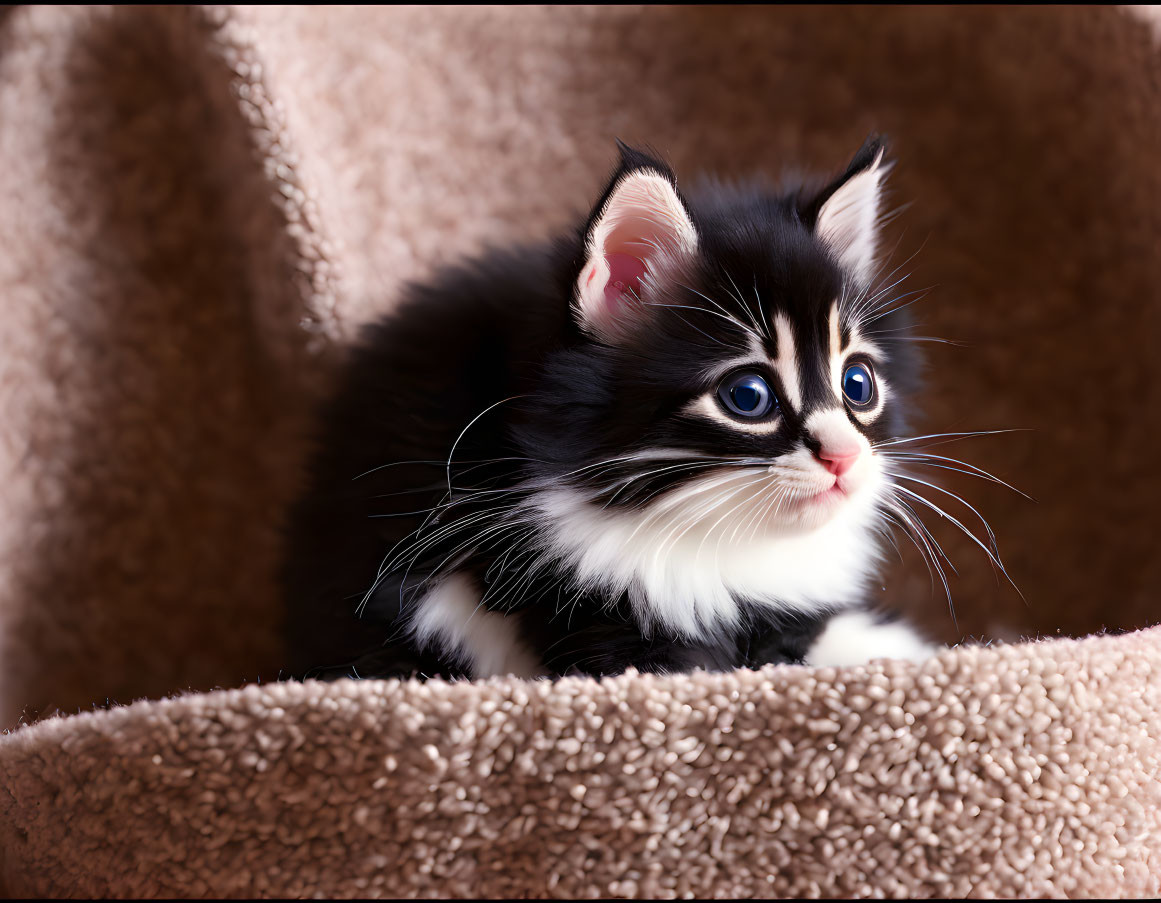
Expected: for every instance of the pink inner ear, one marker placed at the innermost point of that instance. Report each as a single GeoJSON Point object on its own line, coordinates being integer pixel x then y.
{"type": "Point", "coordinates": [625, 272]}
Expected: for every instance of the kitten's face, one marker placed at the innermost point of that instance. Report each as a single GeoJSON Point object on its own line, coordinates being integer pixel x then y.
{"type": "Point", "coordinates": [736, 378]}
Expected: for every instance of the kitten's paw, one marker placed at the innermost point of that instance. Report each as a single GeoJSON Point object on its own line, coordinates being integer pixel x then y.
{"type": "Point", "coordinates": [857, 637]}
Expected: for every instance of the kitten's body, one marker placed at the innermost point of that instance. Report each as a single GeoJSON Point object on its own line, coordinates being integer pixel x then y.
{"type": "Point", "coordinates": [528, 467]}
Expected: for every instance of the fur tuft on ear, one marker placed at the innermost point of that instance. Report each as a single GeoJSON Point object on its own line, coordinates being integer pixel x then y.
{"type": "Point", "coordinates": [845, 214]}
{"type": "Point", "coordinates": [639, 226]}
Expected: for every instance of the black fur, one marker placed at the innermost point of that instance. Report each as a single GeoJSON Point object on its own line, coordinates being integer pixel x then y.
{"type": "Point", "coordinates": [499, 335]}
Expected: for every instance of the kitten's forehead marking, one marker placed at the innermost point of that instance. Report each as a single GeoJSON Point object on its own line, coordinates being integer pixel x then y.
{"type": "Point", "coordinates": [836, 353]}
{"type": "Point", "coordinates": [794, 370]}
{"type": "Point", "coordinates": [839, 353]}
{"type": "Point", "coordinates": [786, 364]}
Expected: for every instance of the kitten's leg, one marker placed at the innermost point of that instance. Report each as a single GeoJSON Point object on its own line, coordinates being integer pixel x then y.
{"type": "Point", "coordinates": [857, 637]}
{"type": "Point", "coordinates": [452, 621]}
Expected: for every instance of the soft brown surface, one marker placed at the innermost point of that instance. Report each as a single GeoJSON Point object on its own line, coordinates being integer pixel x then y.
{"type": "Point", "coordinates": [199, 207]}
{"type": "Point", "coordinates": [981, 773]}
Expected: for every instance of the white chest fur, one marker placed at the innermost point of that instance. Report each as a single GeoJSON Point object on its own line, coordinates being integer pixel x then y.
{"type": "Point", "coordinates": [689, 581]}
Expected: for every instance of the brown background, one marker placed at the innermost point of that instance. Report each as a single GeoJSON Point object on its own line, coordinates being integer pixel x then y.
{"type": "Point", "coordinates": [197, 209]}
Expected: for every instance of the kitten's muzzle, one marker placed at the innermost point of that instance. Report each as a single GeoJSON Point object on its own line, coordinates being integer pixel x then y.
{"type": "Point", "coordinates": [838, 461]}
{"type": "Point", "coordinates": [834, 442]}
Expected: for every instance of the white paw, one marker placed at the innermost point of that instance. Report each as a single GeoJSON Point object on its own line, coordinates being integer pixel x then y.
{"type": "Point", "coordinates": [854, 638]}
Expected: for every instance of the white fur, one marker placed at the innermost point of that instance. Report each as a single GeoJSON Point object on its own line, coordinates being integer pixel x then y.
{"type": "Point", "coordinates": [686, 558]}
{"type": "Point", "coordinates": [451, 617]}
{"type": "Point", "coordinates": [839, 356]}
{"type": "Point", "coordinates": [833, 429]}
{"type": "Point", "coordinates": [787, 366]}
{"type": "Point", "coordinates": [854, 638]}
{"type": "Point", "coordinates": [848, 221]}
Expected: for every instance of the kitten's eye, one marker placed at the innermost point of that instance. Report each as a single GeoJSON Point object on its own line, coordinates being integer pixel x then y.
{"type": "Point", "coordinates": [747, 395]}
{"type": "Point", "coordinates": [859, 385]}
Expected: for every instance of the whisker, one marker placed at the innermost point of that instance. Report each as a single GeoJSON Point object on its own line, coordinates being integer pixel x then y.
{"type": "Point", "coordinates": [927, 338]}
{"type": "Point", "coordinates": [993, 557]}
{"type": "Point", "coordinates": [761, 309]}
{"type": "Point", "coordinates": [737, 295]}
{"type": "Point", "coordinates": [950, 437]}
{"type": "Point", "coordinates": [918, 533]}
{"type": "Point", "coordinates": [725, 314]}
{"type": "Point", "coordinates": [927, 460]}
{"type": "Point", "coordinates": [757, 478]}
{"type": "Point", "coordinates": [441, 464]}
{"type": "Point", "coordinates": [490, 407]}
{"type": "Point", "coordinates": [987, 526]}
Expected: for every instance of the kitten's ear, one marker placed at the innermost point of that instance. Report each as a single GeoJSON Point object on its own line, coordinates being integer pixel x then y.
{"type": "Point", "coordinates": [845, 214]}
{"type": "Point", "coordinates": [639, 228]}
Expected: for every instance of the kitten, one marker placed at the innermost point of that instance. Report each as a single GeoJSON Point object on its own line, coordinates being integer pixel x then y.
{"type": "Point", "coordinates": [650, 444]}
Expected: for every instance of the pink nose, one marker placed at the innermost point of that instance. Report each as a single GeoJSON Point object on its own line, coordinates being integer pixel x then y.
{"type": "Point", "coordinates": [838, 460]}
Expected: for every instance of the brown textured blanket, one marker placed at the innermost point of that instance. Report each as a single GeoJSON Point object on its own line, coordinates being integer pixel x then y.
{"type": "Point", "coordinates": [199, 207]}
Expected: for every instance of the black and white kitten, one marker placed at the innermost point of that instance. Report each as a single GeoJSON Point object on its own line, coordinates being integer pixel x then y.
{"type": "Point", "coordinates": [649, 444]}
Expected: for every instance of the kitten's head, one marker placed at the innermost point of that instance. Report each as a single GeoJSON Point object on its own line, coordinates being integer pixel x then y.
{"type": "Point", "coordinates": [733, 368]}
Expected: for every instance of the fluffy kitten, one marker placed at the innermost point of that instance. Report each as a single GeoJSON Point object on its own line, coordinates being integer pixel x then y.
{"type": "Point", "coordinates": [649, 444]}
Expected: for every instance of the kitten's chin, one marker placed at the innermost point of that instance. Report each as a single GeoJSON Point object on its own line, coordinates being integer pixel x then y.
{"type": "Point", "coordinates": [825, 504]}
{"type": "Point", "coordinates": [813, 511]}
{"type": "Point", "coordinates": [820, 507]}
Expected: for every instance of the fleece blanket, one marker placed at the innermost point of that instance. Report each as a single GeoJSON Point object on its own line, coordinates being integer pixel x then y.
{"type": "Point", "coordinates": [199, 207]}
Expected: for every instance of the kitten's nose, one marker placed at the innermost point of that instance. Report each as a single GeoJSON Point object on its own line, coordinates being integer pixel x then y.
{"type": "Point", "coordinates": [838, 461]}
{"type": "Point", "coordinates": [835, 444]}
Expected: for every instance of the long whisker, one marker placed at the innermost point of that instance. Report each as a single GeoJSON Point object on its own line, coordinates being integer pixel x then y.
{"type": "Point", "coordinates": [737, 295]}
{"type": "Point", "coordinates": [725, 314]}
{"type": "Point", "coordinates": [757, 478]}
{"type": "Point", "coordinates": [761, 307]}
{"type": "Point", "coordinates": [987, 527]}
{"type": "Point", "coordinates": [451, 454]}
{"type": "Point", "coordinates": [913, 529]}
{"type": "Point", "coordinates": [993, 557]}
{"type": "Point", "coordinates": [685, 524]}
{"type": "Point", "coordinates": [925, 338]}
{"type": "Point", "coordinates": [714, 339]}
{"type": "Point", "coordinates": [441, 463]}
{"type": "Point", "coordinates": [971, 470]}
{"type": "Point", "coordinates": [949, 437]}
{"type": "Point", "coordinates": [918, 533]}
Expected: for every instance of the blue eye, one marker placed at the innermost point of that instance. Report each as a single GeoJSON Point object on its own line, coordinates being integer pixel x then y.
{"type": "Point", "coordinates": [859, 385]}
{"type": "Point", "coordinates": [746, 395]}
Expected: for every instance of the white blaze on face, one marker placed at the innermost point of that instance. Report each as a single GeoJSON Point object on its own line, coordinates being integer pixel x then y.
{"type": "Point", "coordinates": [787, 365]}
{"type": "Point", "coordinates": [839, 438]}
{"type": "Point", "coordinates": [839, 356]}
{"type": "Point", "coordinates": [845, 458]}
